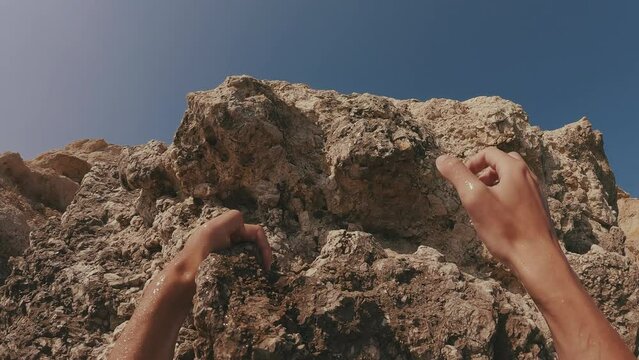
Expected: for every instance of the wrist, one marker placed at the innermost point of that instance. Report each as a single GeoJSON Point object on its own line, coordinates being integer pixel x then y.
{"type": "Point", "coordinates": [181, 274]}
{"type": "Point", "coordinates": [544, 271]}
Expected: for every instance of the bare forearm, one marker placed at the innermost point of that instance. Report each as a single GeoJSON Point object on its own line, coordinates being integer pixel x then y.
{"type": "Point", "coordinates": [580, 330]}
{"type": "Point", "coordinates": [504, 200]}
{"type": "Point", "coordinates": [152, 331]}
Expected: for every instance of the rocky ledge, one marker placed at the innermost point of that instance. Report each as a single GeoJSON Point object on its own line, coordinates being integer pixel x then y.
{"type": "Point", "coordinates": [374, 256]}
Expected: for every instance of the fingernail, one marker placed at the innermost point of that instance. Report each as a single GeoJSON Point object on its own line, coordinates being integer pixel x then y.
{"type": "Point", "coordinates": [441, 159]}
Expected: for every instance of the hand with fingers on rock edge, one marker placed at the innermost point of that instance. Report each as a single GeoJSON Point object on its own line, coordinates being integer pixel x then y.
{"type": "Point", "coordinates": [503, 199]}
{"type": "Point", "coordinates": [152, 331]}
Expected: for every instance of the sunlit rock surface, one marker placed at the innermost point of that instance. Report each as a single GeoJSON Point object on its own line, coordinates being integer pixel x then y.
{"type": "Point", "coordinates": [375, 257]}
{"type": "Point", "coordinates": [629, 221]}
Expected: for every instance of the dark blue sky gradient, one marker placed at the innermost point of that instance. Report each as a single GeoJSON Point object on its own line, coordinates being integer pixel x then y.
{"type": "Point", "coordinates": [120, 69]}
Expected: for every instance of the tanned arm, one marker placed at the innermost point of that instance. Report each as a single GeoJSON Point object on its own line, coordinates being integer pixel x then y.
{"type": "Point", "coordinates": [152, 331]}
{"type": "Point", "coordinates": [505, 204]}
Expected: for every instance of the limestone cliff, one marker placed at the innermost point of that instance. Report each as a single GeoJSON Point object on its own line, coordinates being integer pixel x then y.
{"type": "Point", "coordinates": [375, 257]}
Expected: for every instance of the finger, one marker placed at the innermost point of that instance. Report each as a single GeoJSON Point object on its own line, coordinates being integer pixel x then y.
{"type": "Point", "coordinates": [217, 231]}
{"type": "Point", "coordinates": [516, 156]}
{"type": "Point", "coordinates": [464, 181]}
{"type": "Point", "coordinates": [489, 157]}
{"type": "Point", "coordinates": [255, 234]}
{"type": "Point", "coordinates": [228, 223]}
{"type": "Point", "coordinates": [488, 176]}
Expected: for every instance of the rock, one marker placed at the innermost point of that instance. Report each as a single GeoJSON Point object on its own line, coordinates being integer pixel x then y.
{"type": "Point", "coordinates": [39, 185]}
{"type": "Point", "coordinates": [374, 256]}
{"type": "Point", "coordinates": [63, 164]}
{"type": "Point", "coordinates": [14, 235]}
{"type": "Point", "coordinates": [574, 158]}
{"type": "Point", "coordinates": [72, 160]}
{"type": "Point", "coordinates": [35, 190]}
{"type": "Point", "coordinates": [629, 222]}
{"type": "Point", "coordinates": [14, 231]}
{"type": "Point", "coordinates": [612, 281]}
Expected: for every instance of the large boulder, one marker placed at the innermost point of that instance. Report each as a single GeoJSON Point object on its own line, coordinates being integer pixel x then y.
{"type": "Point", "coordinates": [374, 256]}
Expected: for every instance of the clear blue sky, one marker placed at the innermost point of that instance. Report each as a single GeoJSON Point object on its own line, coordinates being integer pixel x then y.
{"type": "Point", "coordinates": [120, 69]}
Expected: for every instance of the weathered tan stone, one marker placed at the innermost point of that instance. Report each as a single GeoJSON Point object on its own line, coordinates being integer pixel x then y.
{"type": "Point", "coordinates": [629, 222]}
{"type": "Point", "coordinates": [374, 256]}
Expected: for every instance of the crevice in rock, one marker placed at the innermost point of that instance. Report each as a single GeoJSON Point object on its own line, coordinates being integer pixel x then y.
{"type": "Point", "coordinates": [502, 347]}
{"type": "Point", "coordinates": [576, 240]}
{"type": "Point", "coordinates": [242, 199]}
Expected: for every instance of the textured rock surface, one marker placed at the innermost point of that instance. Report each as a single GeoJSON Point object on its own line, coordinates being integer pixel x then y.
{"type": "Point", "coordinates": [629, 221]}
{"type": "Point", "coordinates": [33, 191]}
{"type": "Point", "coordinates": [375, 258]}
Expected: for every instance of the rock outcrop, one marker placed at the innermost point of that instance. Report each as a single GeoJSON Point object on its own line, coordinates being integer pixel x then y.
{"type": "Point", "coordinates": [374, 256]}
{"type": "Point", "coordinates": [33, 191]}
{"type": "Point", "coordinates": [629, 221]}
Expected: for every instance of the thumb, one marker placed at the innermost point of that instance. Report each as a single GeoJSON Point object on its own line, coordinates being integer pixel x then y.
{"type": "Point", "coordinates": [464, 181]}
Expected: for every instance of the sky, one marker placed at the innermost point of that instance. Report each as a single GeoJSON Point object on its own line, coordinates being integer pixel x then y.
{"type": "Point", "coordinates": [120, 69]}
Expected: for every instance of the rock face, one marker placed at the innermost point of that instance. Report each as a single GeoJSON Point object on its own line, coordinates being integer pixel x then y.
{"type": "Point", "coordinates": [33, 191]}
{"type": "Point", "coordinates": [375, 257]}
{"type": "Point", "coordinates": [629, 221]}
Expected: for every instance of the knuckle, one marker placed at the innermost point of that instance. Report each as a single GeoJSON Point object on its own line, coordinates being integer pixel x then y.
{"type": "Point", "coordinates": [234, 214]}
{"type": "Point", "coordinates": [516, 156]}
{"type": "Point", "coordinates": [521, 168]}
{"type": "Point", "coordinates": [534, 177]}
{"type": "Point", "coordinates": [491, 150]}
{"type": "Point", "coordinates": [473, 157]}
{"type": "Point", "coordinates": [472, 198]}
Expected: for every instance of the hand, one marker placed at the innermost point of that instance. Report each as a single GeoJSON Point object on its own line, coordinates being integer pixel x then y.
{"type": "Point", "coordinates": [504, 202]}
{"type": "Point", "coordinates": [152, 331]}
{"type": "Point", "coordinates": [224, 231]}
